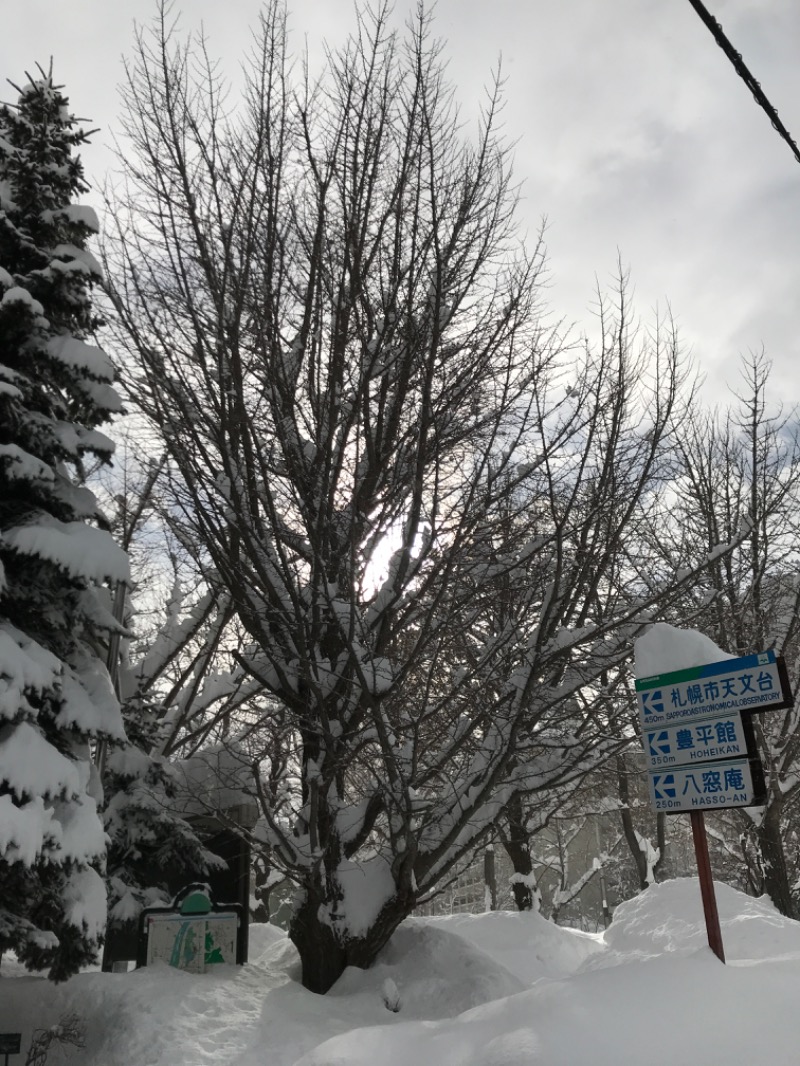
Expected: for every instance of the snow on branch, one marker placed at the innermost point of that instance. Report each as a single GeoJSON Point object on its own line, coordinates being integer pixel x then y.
{"type": "Point", "coordinates": [81, 550]}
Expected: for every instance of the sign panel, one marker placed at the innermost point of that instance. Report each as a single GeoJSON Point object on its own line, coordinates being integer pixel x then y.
{"type": "Point", "coordinates": [698, 740]}
{"type": "Point", "coordinates": [192, 943]}
{"type": "Point", "coordinates": [706, 787]}
{"type": "Point", "coordinates": [750, 683]}
{"type": "Point", "coordinates": [9, 1043]}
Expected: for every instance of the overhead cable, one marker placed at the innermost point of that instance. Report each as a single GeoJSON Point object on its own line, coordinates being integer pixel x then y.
{"type": "Point", "coordinates": [741, 69]}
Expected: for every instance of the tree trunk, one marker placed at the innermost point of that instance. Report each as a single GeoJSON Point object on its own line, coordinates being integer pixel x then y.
{"type": "Point", "coordinates": [773, 858]}
{"type": "Point", "coordinates": [606, 910]}
{"type": "Point", "coordinates": [325, 952]}
{"type": "Point", "coordinates": [632, 840]}
{"type": "Point", "coordinates": [323, 958]}
{"type": "Point", "coordinates": [515, 841]}
{"type": "Point", "coordinates": [490, 878]}
{"type": "Point", "coordinates": [261, 889]}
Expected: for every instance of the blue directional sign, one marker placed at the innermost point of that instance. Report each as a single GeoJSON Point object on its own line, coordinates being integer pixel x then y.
{"type": "Point", "coordinates": [693, 727]}
{"type": "Point", "coordinates": [709, 786]}
{"type": "Point", "coordinates": [750, 683]}
{"type": "Point", "coordinates": [696, 740]}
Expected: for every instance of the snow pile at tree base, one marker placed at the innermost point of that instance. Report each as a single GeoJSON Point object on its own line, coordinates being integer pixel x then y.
{"type": "Point", "coordinates": [527, 944]}
{"type": "Point", "coordinates": [437, 973]}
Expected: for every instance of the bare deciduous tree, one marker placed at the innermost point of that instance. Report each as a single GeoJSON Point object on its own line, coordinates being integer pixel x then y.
{"type": "Point", "coordinates": [745, 463]}
{"type": "Point", "coordinates": [372, 438]}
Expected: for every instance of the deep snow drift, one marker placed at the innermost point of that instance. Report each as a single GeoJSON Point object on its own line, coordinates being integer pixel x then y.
{"type": "Point", "coordinates": [488, 990]}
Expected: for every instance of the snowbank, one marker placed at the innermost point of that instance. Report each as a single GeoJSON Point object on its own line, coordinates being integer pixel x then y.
{"type": "Point", "coordinates": [486, 990]}
{"type": "Point", "coordinates": [656, 995]}
{"type": "Point", "coordinates": [667, 919]}
{"type": "Point", "coordinates": [437, 973]}
{"type": "Point", "coordinates": [527, 944]}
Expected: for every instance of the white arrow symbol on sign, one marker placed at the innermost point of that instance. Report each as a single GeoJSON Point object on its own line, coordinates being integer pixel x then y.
{"type": "Point", "coordinates": [659, 743]}
{"type": "Point", "coordinates": [665, 790]}
{"type": "Point", "coordinates": [654, 699]}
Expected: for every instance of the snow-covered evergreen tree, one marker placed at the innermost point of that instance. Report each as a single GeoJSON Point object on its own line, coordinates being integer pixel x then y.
{"type": "Point", "coordinates": [147, 840]}
{"type": "Point", "coordinates": [56, 698]}
{"type": "Point", "coordinates": [166, 682]}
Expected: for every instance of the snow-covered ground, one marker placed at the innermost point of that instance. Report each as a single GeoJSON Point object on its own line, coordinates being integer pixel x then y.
{"type": "Point", "coordinates": [488, 990]}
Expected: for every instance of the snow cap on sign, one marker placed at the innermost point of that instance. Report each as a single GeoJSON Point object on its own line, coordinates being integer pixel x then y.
{"type": "Point", "coordinates": [665, 648]}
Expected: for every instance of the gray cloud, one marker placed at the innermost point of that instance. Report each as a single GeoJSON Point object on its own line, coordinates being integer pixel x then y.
{"type": "Point", "coordinates": [632, 131]}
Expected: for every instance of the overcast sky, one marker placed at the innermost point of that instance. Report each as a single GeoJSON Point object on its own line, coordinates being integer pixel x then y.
{"type": "Point", "coordinates": [633, 134]}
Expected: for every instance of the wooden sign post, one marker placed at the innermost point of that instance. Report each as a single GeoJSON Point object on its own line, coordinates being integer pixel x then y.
{"type": "Point", "coordinates": [707, 884]}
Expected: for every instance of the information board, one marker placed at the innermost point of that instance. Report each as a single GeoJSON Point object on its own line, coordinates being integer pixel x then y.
{"type": "Point", "coordinates": [192, 943]}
